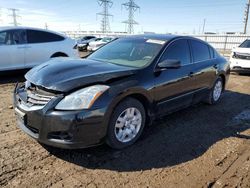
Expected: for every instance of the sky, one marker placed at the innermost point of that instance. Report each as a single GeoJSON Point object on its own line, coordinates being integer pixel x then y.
{"type": "Point", "coordinates": [160, 16]}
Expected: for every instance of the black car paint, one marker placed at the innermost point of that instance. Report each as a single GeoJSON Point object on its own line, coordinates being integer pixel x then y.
{"type": "Point", "coordinates": [53, 75]}
{"type": "Point", "coordinates": [160, 91]}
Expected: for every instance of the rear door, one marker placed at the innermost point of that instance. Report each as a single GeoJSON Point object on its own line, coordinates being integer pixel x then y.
{"type": "Point", "coordinates": [174, 87]}
{"type": "Point", "coordinates": [12, 49]}
{"type": "Point", "coordinates": [41, 46]}
{"type": "Point", "coordinates": [205, 66]}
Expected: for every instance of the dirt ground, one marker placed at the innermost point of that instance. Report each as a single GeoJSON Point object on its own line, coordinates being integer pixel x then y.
{"type": "Point", "coordinates": [201, 146]}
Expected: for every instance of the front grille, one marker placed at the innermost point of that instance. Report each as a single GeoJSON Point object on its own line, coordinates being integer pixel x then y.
{"type": "Point", "coordinates": [37, 97]}
{"type": "Point", "coordinates": [33, 98]}
{"type": "Point", "coordinates": [242, 56]}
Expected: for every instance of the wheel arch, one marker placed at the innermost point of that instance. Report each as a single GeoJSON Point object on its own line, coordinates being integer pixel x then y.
{"type": "Point", "coordinates": [143, 98]}
{"type": "Point", "coordinates": [59, 54]}
{"type": "Point", "coordinates": [223, 77]}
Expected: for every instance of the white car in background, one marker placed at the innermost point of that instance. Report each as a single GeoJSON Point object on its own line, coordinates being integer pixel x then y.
{"type": "Point", "coordinates": [24, 47]}
{"type": "Point", "coordinates": [93, 46]}
{"type": "Point", "coordinates": [240, 58]}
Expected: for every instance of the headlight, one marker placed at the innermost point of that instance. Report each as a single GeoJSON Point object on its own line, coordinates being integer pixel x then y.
{"type": "Point", "coordinates": [82, 99]}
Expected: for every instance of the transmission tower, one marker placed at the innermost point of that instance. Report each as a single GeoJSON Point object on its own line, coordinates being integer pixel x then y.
{"type": "Point", "coordinates": [106, 4]}
{"type": "Point", "coordinates": [46, 26]}
{"type": "Point", "coordinates": [132, 7]}
{"type": "Point", "coordinates": [246, 17]}
{"type": "Point", "coordinates": [14, 16]}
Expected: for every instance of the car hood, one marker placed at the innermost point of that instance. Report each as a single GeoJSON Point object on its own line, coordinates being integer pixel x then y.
{"type": "Point", "coordinates": [64, 74]}
{"type": "Point", "coordinates": [242, 50]}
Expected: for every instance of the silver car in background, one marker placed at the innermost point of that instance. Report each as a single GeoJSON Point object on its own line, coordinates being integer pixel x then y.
{"type": "Point", "coordinates": [24, 47]}
{"type": "Point", "coordinates": [93, 46]}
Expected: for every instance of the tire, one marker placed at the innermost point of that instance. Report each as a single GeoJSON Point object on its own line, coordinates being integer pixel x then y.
{"type": "Point", "coordinates": [131, 126]}
{"type": "Point", "coordinates": [216, 92]}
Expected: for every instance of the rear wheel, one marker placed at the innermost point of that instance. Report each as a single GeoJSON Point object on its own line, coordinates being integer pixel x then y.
{"type": "Point", "coordinates": [126, 124]}
{"type": "Point", "coordinates": [216, 92]}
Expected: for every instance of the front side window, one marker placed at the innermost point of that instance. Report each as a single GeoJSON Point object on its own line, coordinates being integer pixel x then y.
{"type": "Point", "coordinates": [19, 36]}
{"type": "Point", "coordinates": [200, 51]}
{"type": "Point", "coordinates": [34, 36]}
{"type": "Point", "coordinates": [129, 52]}
{"type": "Point", "coordinates": [12, 37]}
{"type": "Point", "coordinates": [178, 50]}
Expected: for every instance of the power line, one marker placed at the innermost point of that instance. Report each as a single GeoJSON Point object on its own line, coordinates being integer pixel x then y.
{"type": "Point", "coordinates": [106, 4]}
{"type": "Point", "coordinates": [14, 16]}
{"type": "Point", "coordinates": [207, 5]}
{"type": "Point", "coordinates": [132, 7]}
{"type": "Point", "coordinates": [246, 17]}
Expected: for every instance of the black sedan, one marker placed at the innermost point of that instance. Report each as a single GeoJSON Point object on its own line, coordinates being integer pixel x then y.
{"type": "Point", "coordinates": [112, 94]}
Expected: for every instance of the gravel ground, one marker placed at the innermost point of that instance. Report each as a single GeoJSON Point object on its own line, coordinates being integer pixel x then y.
{"type": "Point", "coordinates": [201, 146]}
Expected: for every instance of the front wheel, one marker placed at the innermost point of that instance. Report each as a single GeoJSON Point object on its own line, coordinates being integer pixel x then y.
{"type": "Point", "coordinates": [216, 92]}
{"type": "Point", "coordinates": [126, 124]}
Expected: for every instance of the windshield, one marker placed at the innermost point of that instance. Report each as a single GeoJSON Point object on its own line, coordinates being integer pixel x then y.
{"type": "Point", "coordinates": [129, 52]}
{"type": "Point", "coordinates": [106, 39]}
{"type": "Point", "coordinates": [245, 44]}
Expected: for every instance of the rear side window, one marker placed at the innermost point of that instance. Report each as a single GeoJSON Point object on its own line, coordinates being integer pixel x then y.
{"type": "Point", "coordinates": [200, 51]}
{"type": "Point", "coordinates": [178, 50]}
{"type": "Point", "coordinates": [42, 36]}
{"type": "Point", "coordinates": [3, 36]}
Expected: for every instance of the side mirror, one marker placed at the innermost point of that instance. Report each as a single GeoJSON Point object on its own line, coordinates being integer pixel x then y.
{"type": "Point", "coordinates": [169, 64]}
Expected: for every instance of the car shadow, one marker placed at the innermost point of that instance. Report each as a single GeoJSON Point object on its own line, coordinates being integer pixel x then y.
{"type": "Point", "coordinates": [177, 138]}
{"type": "Point", "coordinates": [15, 76]}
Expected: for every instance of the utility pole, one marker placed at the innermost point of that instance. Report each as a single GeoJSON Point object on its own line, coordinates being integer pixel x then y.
{"type": "Point", "coordinates": [246, 17]}
{"type": "Point", "coordinates": [14, 16]}
{"type": "Point", "coordinates": [132, 7]}
{"type": "Point", "coordinates": [204, 25]}
{"type": "Point", "coordinates": [46, 26]}
{"type": "Point", "coordinates": [106, 4]}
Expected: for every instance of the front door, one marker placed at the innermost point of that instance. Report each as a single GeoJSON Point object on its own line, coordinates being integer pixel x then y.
{"type": "Point", "coordinates": [12, 49]}
{"type": "Point", "coordinates": [174, 87]}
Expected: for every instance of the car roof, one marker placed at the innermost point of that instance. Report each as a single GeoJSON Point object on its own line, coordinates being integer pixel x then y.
{"type": "Point", "coordinates": [164, 37]}
{"type": "Point", "coordinates": [33, 28]}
